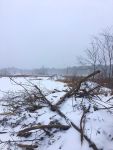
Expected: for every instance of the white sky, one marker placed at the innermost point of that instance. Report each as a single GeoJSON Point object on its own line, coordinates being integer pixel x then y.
{"type": "Point", "coordinates": [50, 33]}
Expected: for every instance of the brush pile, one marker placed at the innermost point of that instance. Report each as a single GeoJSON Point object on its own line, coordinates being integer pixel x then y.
{"type": "Point", "coordinates": [78, 117]}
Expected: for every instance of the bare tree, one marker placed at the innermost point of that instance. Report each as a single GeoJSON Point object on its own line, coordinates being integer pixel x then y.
{"type": "Point", "coordinates": [92, 55]}
{"type": "Point", "coordinates": [91, 58]}
{"type": "Point", "coordinates": [108, 41]}
{"type": "Point", "coordinates": [105, 46]}
{"type": "Point", "coordinates": [100, 53]}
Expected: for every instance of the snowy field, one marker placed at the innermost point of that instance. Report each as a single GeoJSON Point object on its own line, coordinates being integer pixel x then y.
{"type": "Point", "coordinates": [16, 116]}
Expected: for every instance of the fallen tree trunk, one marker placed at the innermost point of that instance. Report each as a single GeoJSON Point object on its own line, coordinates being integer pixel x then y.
{"type": "Point", "coordinates": [91, 144]}
{"type": "Point", "coordinates": [75, 89]}
{"type": "Point", "coordinates": [30, 147]}
{"type": "Point", "coordinates": [42, 127]}
{"type": "Point", "coordinates": [82, 123]}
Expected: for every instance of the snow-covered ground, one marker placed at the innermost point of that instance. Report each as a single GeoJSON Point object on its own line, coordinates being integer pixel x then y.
{"type": "Point", "coordinates": [98, 122]}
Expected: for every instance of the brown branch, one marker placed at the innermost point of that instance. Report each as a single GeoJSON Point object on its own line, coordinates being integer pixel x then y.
{"type": "Point", "coordinates": [75, 89]}
{"type": "Point", "coordinates": [21, 86]}
{"type": "Point", "coordinates": [42, 95]}
{"type": "Point", "coordinates": [26, 146]}
{"type": "Point", "coordinates": [108, 108]}
{"type": "Point", "coordinates": [92, 90]}
{"type": "Point", "coordinates": [91, 144]}
{"type": "Point", "coordinates": [42, 127]}
{"type": "Point", "coordinates": [82, 123]}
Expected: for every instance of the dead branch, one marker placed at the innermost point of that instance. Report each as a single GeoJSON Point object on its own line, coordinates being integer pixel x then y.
{"type": "Point", "coordinates": [75, 89]}
{"type": "Point", "coordinates": [108, 108]}
{"type": "Point", "coordinates": [30, 147]}
{"type": "Point", "coordinates": [91, 144]}
{"type": "Point", "coordinates": [19, 141]}
{"type": "Point", "coordinates": [82, 123]}
{"type": "Point", "coordinates": [92, 90]}
{"type": "Point", "coordinates": [42, 127]}
{"type": "Point", "coordinates": [111, 98]}
{"type": "Point", "coordinates": [20, 85]}
{"type": "Point", "coordinates": [42, 95]}
{"type": "Point", "coordinates": [7, 113]}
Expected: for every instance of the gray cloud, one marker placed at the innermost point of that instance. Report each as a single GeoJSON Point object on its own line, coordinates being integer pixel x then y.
{"type": "Point", "coordinates": [35, 33]}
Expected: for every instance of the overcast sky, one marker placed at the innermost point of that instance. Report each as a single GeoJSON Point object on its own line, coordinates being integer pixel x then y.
{"type": "Point", "coordinates": [50, 33]}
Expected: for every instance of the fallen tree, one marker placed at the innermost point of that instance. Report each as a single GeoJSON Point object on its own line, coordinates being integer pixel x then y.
{"type": "Point", "coordinates": [76, 88]}
{"type": "Point", "coordinates": [42, 127]}
{"type": "Point", "coordinates": [55, 108]}
{"type": "Point", "coordinates": [27, 147]}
